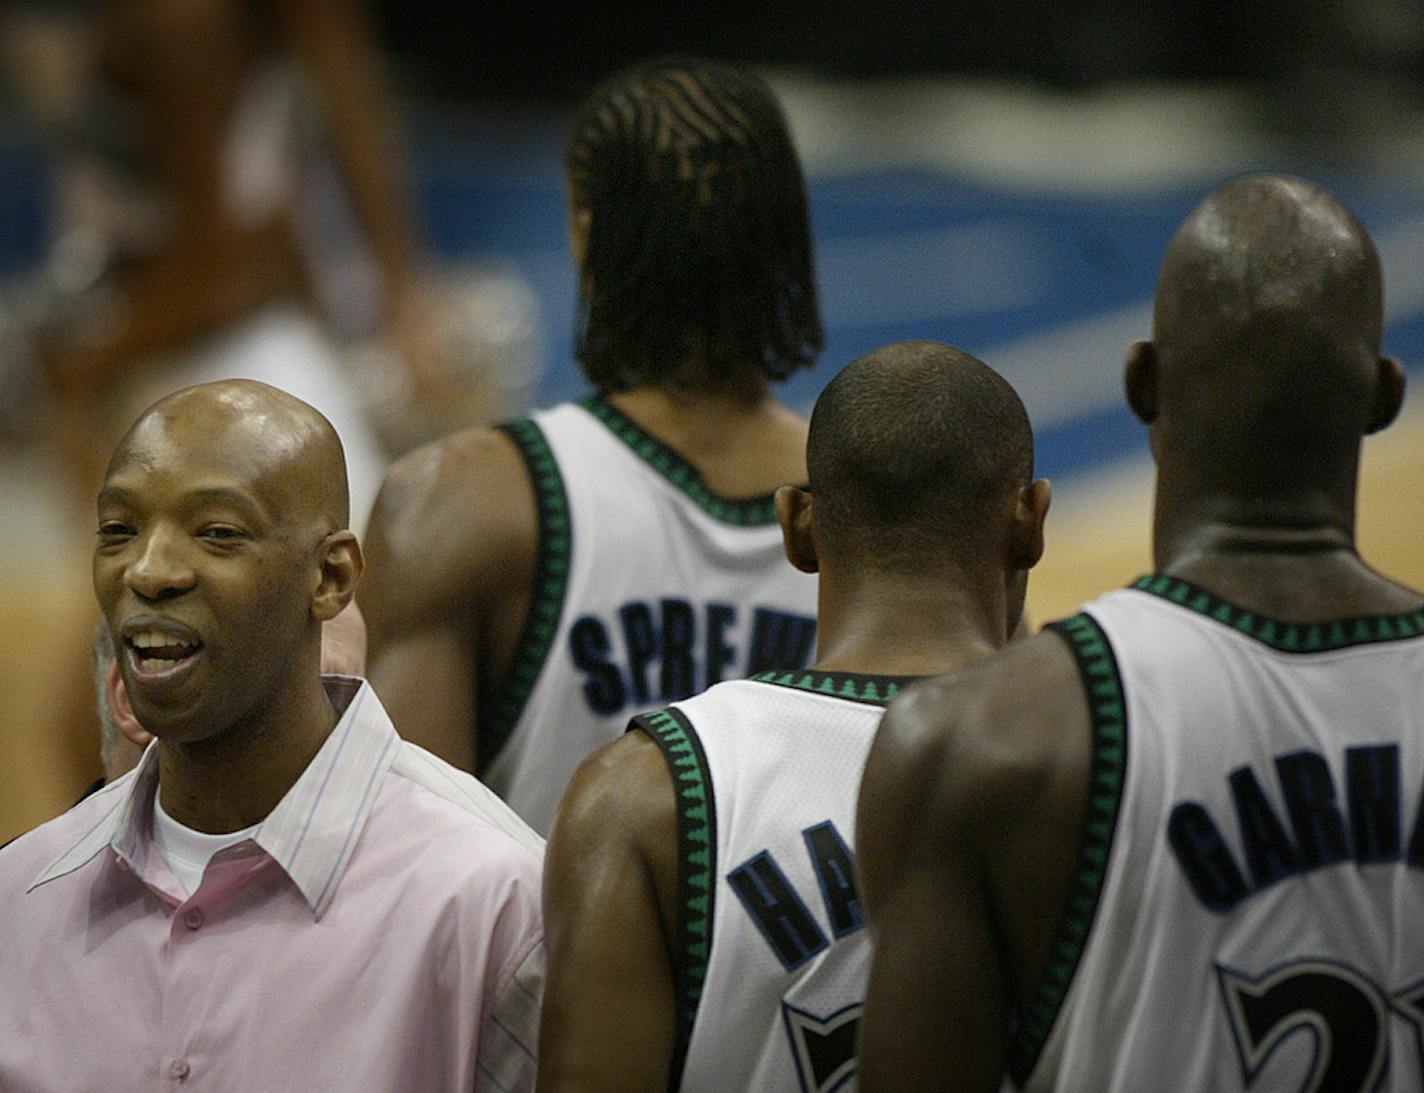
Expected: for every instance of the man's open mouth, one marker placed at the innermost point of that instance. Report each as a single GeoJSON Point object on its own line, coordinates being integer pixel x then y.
{"type": "Point", "coordinates": [154, 654]}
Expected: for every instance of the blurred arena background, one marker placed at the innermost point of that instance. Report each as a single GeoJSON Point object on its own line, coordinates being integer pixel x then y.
{"type": "Point", "coordinates": [1003, 179]}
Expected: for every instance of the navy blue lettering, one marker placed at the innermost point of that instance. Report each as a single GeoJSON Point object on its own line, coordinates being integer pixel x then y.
{"type": "Point", "coordinates": [641, 640]}
{"type": "Point", "coordinates": [588, 645]}
{"type": "Point", "coordinates": [679, 632]}
{"type": "Point", "coordinates": [777, 910]}
{"type": "Point", "coordinates": [780, 640]}
{"type": "Point", "coordinates": [1309, 793]}
{"type": "Point", "coordinates": [1416, 837]}
{"type": "Point", "coordinates": [1205, 858]}
{"type": "Point", "coordinates": [835, 870]}
{"type": "Point", "coordinates": [1269, 852]}
{"type": "Point", "coordinates": [1372, 785]}
{"type": "Point", "coordinates": [719, 653]}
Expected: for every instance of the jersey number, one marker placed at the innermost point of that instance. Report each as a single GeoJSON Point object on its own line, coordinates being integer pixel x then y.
{"type": "Point", "coordinates": [1345, 1012]}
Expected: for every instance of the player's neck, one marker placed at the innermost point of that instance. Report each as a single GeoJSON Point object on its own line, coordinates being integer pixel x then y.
{"type": "Point", "coordinates": [1231, 506]}
{"type": "Point", "coordinates": [1193, 518]}
{"type": "Point", "coordinates": [903, 627]}
{"type": "Point", "coordinates": [1295, 561]}
{"type": "Point", "coordinates": [742, 396]}
{"type": "Point", "coordinates": [743, 441]}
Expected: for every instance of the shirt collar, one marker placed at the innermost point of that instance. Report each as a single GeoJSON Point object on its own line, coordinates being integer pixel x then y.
{"type": "Point", "coordinates": [312, 831]}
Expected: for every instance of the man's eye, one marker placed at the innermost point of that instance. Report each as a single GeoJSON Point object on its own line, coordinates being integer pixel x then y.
{"type": "Point", "coordinates": [112, 529]}
{"type": "Point", "coordinates": [221, 532]}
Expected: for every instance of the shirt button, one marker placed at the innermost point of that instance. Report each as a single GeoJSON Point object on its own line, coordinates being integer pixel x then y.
{"type": "Point", "coordinates": [179, 1069]}
{"type": "Point", "coordinates": [193, 919]}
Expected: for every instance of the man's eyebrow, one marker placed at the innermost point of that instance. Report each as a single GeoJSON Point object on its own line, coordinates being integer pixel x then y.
{"type": "Point", "coordinates": [116, 495]}
{"type": "Point", "coordinates": [226, 495]}
{"type": "Point", "coordinates": [195, 496]}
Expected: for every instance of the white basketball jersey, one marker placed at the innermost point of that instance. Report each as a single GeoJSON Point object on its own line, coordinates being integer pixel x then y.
{"type": "Point", "coordinates": [1248, 906]}
{"type": "Point", "coordinates": [649, 588]}
{"type": "Point", "coordinates": [767, 771]}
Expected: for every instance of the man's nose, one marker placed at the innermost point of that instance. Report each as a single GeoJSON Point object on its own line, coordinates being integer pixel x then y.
{"type": "Point", "coordinates": [162, 568]}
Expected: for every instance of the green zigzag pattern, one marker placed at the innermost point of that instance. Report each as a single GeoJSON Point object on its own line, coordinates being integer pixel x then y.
{"type": "Point", "coordinates": [697, 852]}
{"type": "Point", "coordinates": [877, 690]}
{"type": "Point", "coordinates": [753, 512]}
{"type": "Point", "coordinates": [1288, 637]}
{"type": "Point", "coordinates": [551, 579]}
{"type": "Point", "coordinates": [1108, 707]}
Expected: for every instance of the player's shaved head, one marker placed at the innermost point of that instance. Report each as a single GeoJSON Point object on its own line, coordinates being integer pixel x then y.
{"type": "Point", "coordinates": [285, 447]}
{"type": "Point", "coordinates": [913, 447]}
{"type": "Point", "coordinates": [1266, 332]}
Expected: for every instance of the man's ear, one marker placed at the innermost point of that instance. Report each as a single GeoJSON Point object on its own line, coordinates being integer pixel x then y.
{"type": "Point", "coordinates": [793, 513]}
{"type": "Point", "coordinates": [1026, 534]}
{"type": "Point", "coordinates": [341, 566]}
{"type": "Point", "coordinates": [1389, 394]}
{"type": "Point", "coordinates": [117, 696]}
{"type": "Point", "coordinates": [1139, 380]}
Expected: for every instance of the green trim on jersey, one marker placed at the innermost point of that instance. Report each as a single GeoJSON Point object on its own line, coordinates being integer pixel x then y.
{"type": "Point", "coordinates": [696, 866]}
{"type": "Point", "coordinates": [1287, 637]}
{"type": "Point", "coordinates": [748, 512]}
{"type": "Point", "coordinates": [856, 686]}
{"type": "Point", "coordinates": [546, 604]}
{"type": "Point", "coordinates": [1107, 705]}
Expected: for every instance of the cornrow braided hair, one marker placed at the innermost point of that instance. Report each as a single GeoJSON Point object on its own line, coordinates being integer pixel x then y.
{"type": "Point", "coordinates": [698, 256]}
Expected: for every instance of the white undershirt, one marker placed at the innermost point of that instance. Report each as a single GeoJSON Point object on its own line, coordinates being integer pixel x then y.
{"type": "Point", "coordinates": [187, 852]}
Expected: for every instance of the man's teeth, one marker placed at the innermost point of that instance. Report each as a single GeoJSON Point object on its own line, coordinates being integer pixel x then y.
{"type": "Point", "coordinates": [154, 639]}
{"type": "Point", "coordinates": [163, 650]}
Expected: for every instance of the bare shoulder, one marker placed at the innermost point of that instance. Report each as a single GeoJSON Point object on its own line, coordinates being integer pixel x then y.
{"type": "Point", "coordinates": [621, 792]}
{"type": "Point", "coordinates": [993, 730]}
{"type": "Point", "coordinates": [452, 519]}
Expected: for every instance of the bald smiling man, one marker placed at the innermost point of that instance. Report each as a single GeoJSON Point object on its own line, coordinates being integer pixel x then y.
{"type": "Point", "coordinates": [283, 894]}
{"type": "Point", "coordinates": [1174, 842]}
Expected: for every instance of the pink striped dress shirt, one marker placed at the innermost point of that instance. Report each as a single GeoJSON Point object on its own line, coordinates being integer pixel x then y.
{"type": "Point", "coordinates": [380, 931]}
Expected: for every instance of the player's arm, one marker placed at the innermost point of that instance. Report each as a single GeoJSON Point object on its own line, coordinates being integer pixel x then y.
{"type": "Point", "coordinates": [970, 819]}
{"type": "Point", "coordinates": [936, 1004]}
{"type": "Point", "coordinates": [610, 879]}
{"type": "Point", "coordinates": [450, 553]}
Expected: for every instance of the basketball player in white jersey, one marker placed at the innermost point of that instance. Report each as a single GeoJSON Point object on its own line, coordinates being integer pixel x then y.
{"type": "Point", "coordinates": [1175, 842]}
{"type": "Point", "coordinates": [701, 900]}
{"type": "Point", "coordinates": [533, 586]}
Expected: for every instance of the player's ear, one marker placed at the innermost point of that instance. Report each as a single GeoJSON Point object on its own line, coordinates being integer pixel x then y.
{"type": "Point", "coordinates": [1026, 535]}
{"type": "Point", "coordinates": [793, 513]}
{"type": "Point", "coordinates": [1389, 394]}
{"type": "Point", "coordinates": [117, 696]}
{"type": "Point", "coordinates": [1139, 380]}
{"type": "Point", "coordinates": [341, 564]}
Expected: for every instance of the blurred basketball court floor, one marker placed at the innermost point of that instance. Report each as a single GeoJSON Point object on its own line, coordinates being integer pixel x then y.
{"type": "Point", "coordinates": [1022, 225]}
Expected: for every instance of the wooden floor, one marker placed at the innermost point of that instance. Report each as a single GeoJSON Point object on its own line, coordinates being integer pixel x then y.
{"type": "Point", "coordinates": [1097, 539]}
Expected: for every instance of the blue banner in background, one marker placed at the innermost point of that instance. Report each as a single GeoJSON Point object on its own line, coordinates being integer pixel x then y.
{"type": "Point", "coordinates": [1048, 287]}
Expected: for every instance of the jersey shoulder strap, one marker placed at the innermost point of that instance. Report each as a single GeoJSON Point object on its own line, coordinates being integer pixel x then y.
{"type": "Point", "coordinates": [1107, 708]}
{"type": "Point", "coordinates": [696, 865]}
{"type": "Point", "coordinates": [501, 712]}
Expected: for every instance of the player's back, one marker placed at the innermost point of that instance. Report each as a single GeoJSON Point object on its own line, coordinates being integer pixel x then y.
{"type": "Point", "coordinates": [1256, 799]}
{"type": "Point", "coordinates": [649, 587]}
{"type": "Point", "coordinates": [767, 772]}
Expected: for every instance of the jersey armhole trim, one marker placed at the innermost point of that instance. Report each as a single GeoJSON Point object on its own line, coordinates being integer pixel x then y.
{"type": "Point", "coordinates": [1107, 707]}
{"type": "Point", "coordinates": [696, 867]}
{"type": "Point", "coordinates": [546, 602]}
{"type": "Point", "coordinates": [740, 512]}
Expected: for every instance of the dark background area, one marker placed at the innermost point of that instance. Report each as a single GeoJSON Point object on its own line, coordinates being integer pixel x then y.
{"type": "Point", "coordinates": [552, 51]}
